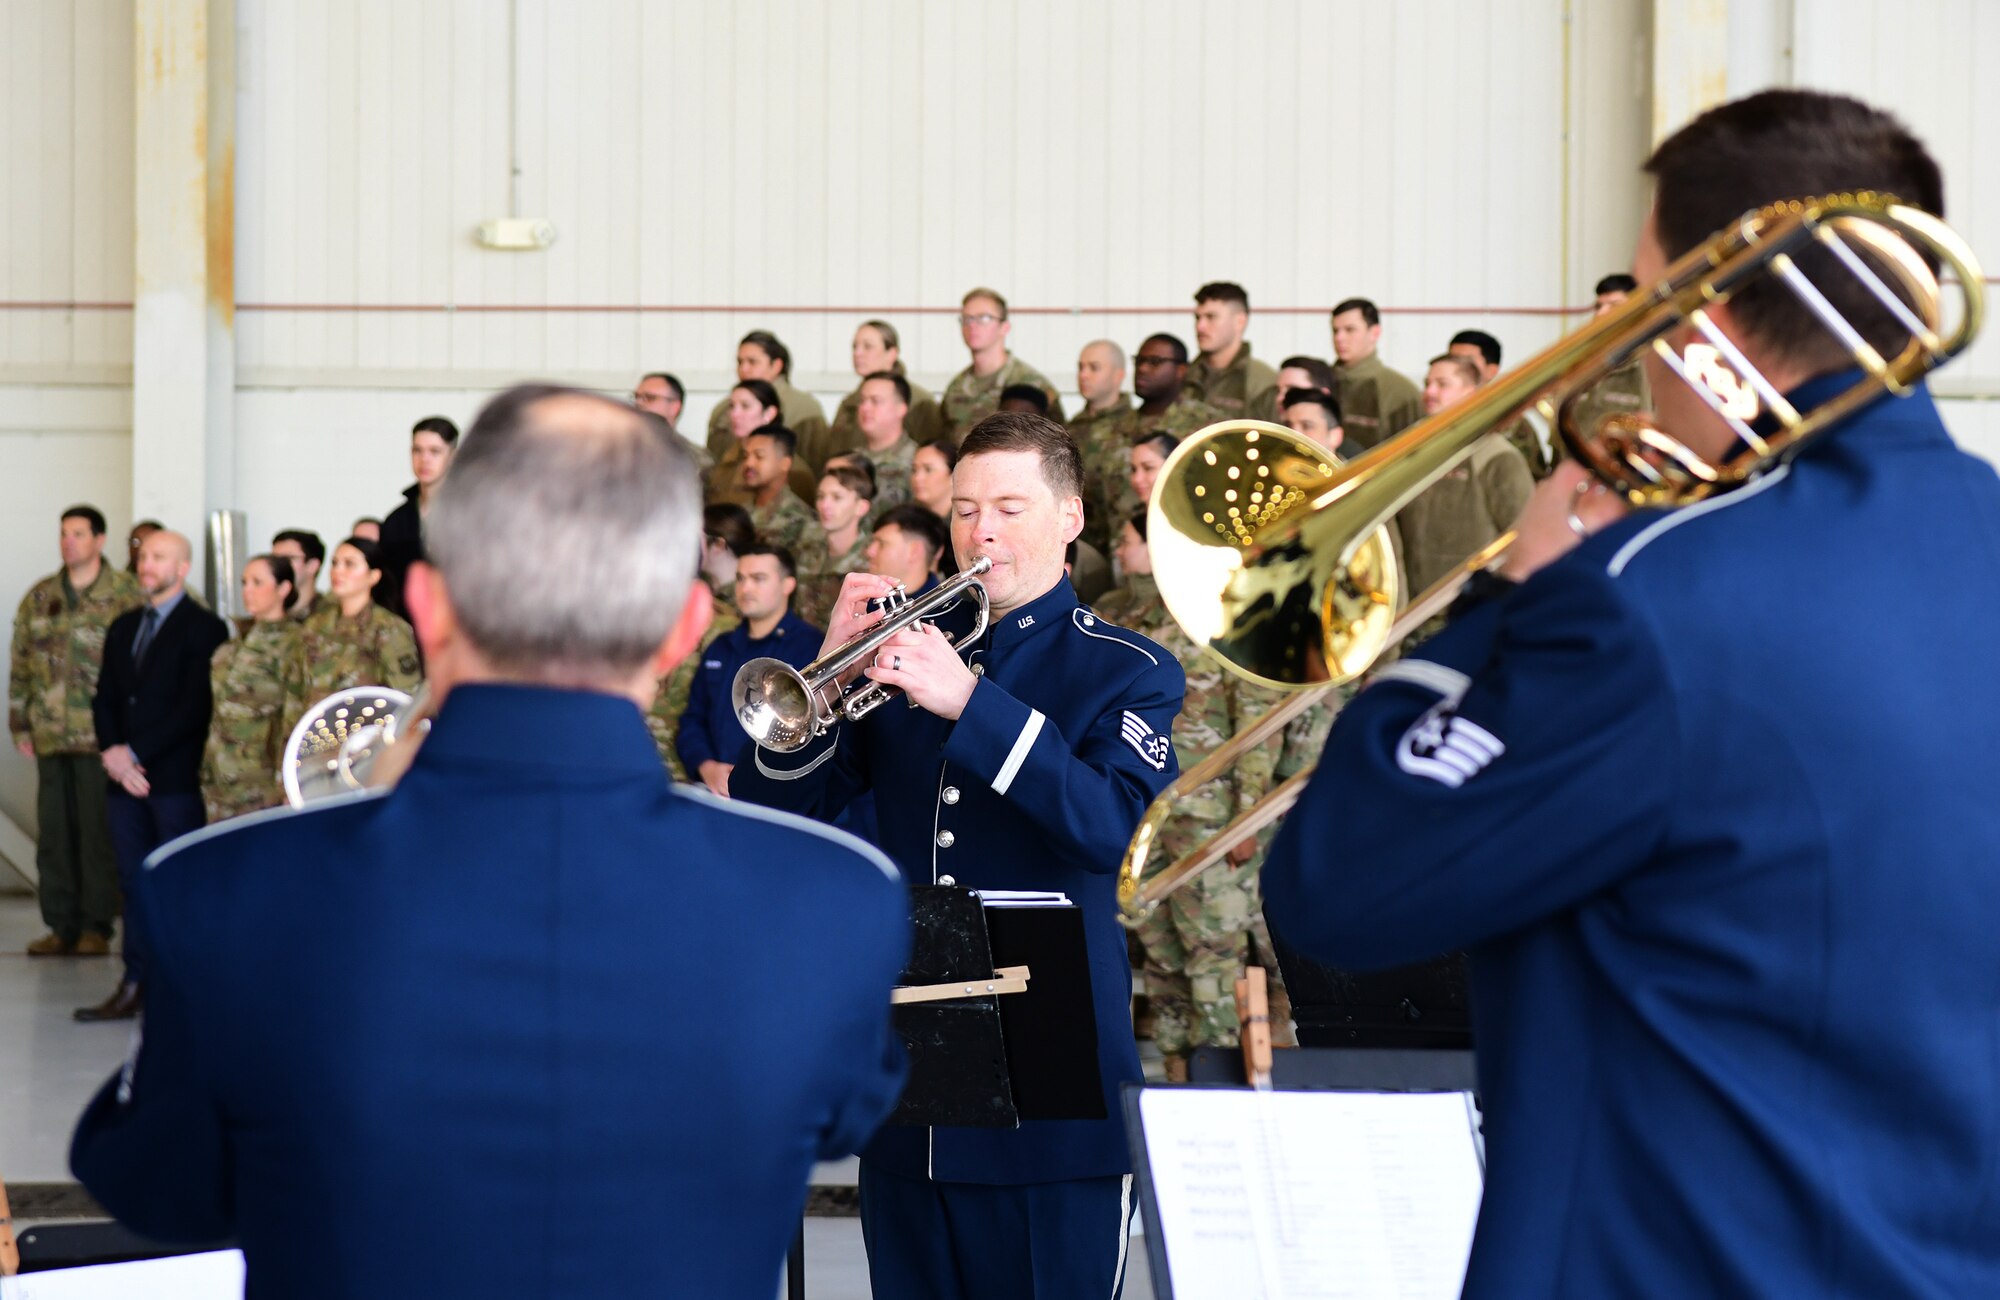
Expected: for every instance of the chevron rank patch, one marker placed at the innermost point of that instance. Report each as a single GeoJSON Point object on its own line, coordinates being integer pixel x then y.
{"type": "Point", "coordinates": [1443, 747]}
{"type": "Point", "coordinates": [1150, 744]}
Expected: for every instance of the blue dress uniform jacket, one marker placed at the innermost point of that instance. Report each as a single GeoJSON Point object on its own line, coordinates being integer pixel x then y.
{"type": "Point", "coordinates": [1711, 800]}
{"type": "Point", "coordinates": [536, 1022]}
{"type": "Point", "coordinates": [709, 731]}
{"type": "Point", "coordinates": [1037, 785]}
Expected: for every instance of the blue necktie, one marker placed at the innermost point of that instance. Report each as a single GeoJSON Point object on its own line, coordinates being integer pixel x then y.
{"type": "Point", "coordinates": [148, 626]}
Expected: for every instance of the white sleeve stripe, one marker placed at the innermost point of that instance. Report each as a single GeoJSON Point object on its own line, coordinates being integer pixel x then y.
{"type": "Point", "coordinates": [1448, 682]}
{"type": "Point", "coordinates": [1449, 777]}
{"type": "Point", "coordinates": [1452, 758]}
{"type": "Point", "coordinates": [1019, 754]}
{"type": "Point", "coordinates": [1646, 536]}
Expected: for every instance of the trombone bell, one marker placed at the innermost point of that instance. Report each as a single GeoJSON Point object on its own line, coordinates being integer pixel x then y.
{"type": "Point", "coordinates": [1286, 615]}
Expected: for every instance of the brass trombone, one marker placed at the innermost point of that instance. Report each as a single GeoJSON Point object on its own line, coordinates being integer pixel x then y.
{"type": "Point", "coordinates": [1286, 596]}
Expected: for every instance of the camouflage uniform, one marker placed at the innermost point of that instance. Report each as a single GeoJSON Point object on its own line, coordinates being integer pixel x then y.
{"type": "Point", "coordinates": [784, 523]}
{"type": "Point", "coordinates": [1197, 941]}
{"type": "Point", "coordinates": [892, 475]}
{"type": "Point", "coordinates": [798, 411]}
{"type": "Point", "coordinates": [1376, 403]}
{"type": "Point", "coordinates": [239, 767]}
{"type": "Point", "coordinates": [821, 573]}
{"type": "Point", "coordinates": [306, 608]}
{"type": "Point", "coordinates": [1105, 440]}
{"type": "Point", "coordinates": [671, 699]}
{"type": "Point", "coordinates": [923, 424]}
{"type": "Point", "coordinates": [1526, 435]}
{"type": "Point", "coordinates": [58, 651]}
{"type": "Point", "coordinates": [334, 653]}
{"type": "Point", "coordinates": [1182, 417]}
{"type": "Point", "coordinates": [1233, 390]}
{"type": "Point", "coordinates": [1463, 511]}
{"type": "Point", "coordinates": [968, 399]}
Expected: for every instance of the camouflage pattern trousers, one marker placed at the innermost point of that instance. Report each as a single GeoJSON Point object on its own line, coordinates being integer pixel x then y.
{"type": "Point", "coordinates": [1196, 944]}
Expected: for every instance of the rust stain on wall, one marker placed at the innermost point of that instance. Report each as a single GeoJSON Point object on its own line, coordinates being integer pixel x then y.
{"type": "Point", "coordinates": [222, 236]}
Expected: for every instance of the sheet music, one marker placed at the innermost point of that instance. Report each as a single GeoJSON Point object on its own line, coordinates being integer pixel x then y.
{"type": "Point", "coordinates": [215, 1275]}
{"type": "Point", "coordinates": [1020, 898]}
{"type": "Point", "coordinates": [1312, 1195]}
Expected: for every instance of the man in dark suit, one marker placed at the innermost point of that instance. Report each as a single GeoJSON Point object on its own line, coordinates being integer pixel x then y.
{"type": "Point", "coordinates": [152, 710]}
{"type": "Point", "coordinates": [579, 1031]}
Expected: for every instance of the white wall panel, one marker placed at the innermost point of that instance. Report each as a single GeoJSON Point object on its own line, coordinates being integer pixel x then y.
{"type": "Point", "coordinates": [782, 165]}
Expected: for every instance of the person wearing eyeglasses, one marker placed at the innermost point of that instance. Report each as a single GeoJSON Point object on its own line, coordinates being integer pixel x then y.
{"type": "Point", "coordinates": [1159, 377]}
{"type": "Point", "coordinates": [663, 395]}
{"type": "Point", "coordinates": [974, 392]}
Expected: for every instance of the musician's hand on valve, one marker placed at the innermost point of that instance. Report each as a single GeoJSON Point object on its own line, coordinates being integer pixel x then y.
{"type": "Point", "coordinates": [920, 662]}
{"type": "Point", "coordinates": [1567, 506]}
{"type": "Point", "coordinates": [852, 614]}
{"type": "Point", "coordinates": [1243, 852]}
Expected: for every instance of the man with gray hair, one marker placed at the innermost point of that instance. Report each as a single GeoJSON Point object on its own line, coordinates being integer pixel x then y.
{"type": "Point", "coordinates": [446, 1006]}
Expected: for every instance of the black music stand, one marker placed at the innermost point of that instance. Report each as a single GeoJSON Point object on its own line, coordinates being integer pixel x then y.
{"type": "Point", "coordinates": [1424, 1006]}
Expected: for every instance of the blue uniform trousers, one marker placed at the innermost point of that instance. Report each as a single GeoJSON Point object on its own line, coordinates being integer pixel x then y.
{"type": "Point", "coordinates": [1033, 1241]}
{"type": "Point", "coordinates": [138, 826]}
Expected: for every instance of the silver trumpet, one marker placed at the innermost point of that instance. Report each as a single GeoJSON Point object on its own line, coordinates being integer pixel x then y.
{"type": "Point", "coordinates": [784, 708]}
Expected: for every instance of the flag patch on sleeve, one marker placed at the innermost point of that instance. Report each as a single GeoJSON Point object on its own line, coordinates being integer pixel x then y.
{"type": "Point", "coordinates": [1149, 744]}
{"type": "Point", "coordinates": [1443, 747]}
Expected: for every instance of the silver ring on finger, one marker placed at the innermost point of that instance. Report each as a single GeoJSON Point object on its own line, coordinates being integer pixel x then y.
{"type": "Point", "coordinates": [896, 662]}
{"type": "Point", "coordinates": [1577, 525]}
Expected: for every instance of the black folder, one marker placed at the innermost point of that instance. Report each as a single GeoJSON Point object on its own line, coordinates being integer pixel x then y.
{"type": "Point", "coordinates": [993, 1060]}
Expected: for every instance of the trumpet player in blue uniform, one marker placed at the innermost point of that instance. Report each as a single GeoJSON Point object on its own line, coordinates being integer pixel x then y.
{"type": "Point", "coordinates": [1026, 763]}
{"type": "Point", "coordinates": [1709, 796]}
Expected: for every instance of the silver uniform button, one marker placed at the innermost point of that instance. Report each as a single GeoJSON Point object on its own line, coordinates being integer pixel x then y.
{"type": "Point", "coordinates": [1089, 621]}
{"type": "Point", "coordinates": [946, 839]}
{"type": "Point", "coordinates": [951, 794]}
{"type": "Point", "coordinates": [979, 670]}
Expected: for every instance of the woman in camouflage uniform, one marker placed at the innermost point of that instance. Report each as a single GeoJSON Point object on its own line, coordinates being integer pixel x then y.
{"type": "Point", "coordinates": [239, 767]}
{"type": "Point", "coordinates": [838, 547]}
{"type": "Point", "coordinates": [350, 640]}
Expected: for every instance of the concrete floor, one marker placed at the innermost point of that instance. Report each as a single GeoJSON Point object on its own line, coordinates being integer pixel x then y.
{"type": "Point", "coordinates": [50, 1066]}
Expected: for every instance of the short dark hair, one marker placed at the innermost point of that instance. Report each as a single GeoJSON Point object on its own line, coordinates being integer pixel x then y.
{"type": "Point", "coordinates": [762, 389]}
{"type": "Point", "coordinates": [861, 461]}
{"type": "Point", "coordinates": [1321, 373]}
{"type": "Point", "coordinates": [1489, 347]}
{"type": "Point", "coordinates": [1179, 348]}
{"type": "Point", "coordinates": [671, 381]}
{"type": "Point", "coordinates": [1223, 291]}
{"type": "Point", "coordinates": [1369, 311]}
{"type": "Point", "coordinates": [1790, 144]}
{"type": "Point", "coordinates": [944, 448]}
{"type": "Point", "coordinates": [729, 524]}
{"type": "Point", "coordinates": [368, 519]}
{"type": "Point", "coordinates": [370, 551]}
{"type": "Point", "coordinates": [90, 515]}
{"type": "Point", "coordinates": [1616, 282]}
{"type": "Point", "coordinates": [767, 343]}
{"type": "Point", "coordinates": [781, 554]}
{"type": "Point", "coordinates": [309, 542]}
{"type": "Point", "coordinates": [890, 377]}
{"type": "Point", "coordinates": [1321, 397]}
{"type": "Point", "coordinates": [437, 424]}
{"type": "Point", "coordinates": [859, 481]}
{"type": "Point", "coordinates": [1160, 440]}
{"type": "Point", "coordinates": [1062, 463]}
{"type": "Point", "coordinates": [1029, 393]}
{"type": "Point", "coordinates": [153, 524]}
{"type": "Point", "coordinates": [788, 442]}
{"type": "Point", "coordinates": [912, 520]}
{"type": "Point", "coordinates": [281, 571]}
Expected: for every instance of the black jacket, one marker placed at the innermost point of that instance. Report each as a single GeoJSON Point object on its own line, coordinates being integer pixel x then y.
{"type": "Point", "coordinates": [162, 708]}
{"type": "Point", "coordinates": [402, 546]}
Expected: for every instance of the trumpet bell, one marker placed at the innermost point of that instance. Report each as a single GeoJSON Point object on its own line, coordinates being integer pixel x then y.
{"type": "Point", "coordinates": [336, 745]}
{"type": "Point", "coordinates": [1288, 615]}
{"type": "Point", "coordinates": [775, 704]}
